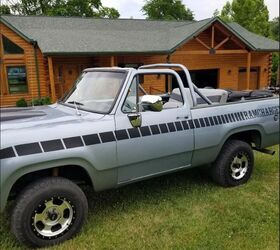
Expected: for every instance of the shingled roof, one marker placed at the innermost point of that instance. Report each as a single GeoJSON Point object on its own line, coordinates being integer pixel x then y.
{"type": "Point", "coordinates": [73, 35]}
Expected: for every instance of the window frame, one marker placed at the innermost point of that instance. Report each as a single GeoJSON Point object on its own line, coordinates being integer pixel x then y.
{"type": "Point", "coordinates": [137, 98]}
{"type": "Point", "coordinates": [7, 80]}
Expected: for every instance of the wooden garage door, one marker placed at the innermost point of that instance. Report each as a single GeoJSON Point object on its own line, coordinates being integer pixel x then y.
{"type": "Point", "coordinates": [254, 78]}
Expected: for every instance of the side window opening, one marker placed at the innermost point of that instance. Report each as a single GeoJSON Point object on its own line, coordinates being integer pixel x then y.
{"type": "Point", "coordinates": [152, 84]}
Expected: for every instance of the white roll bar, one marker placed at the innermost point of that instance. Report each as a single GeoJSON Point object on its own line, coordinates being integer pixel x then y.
{"type": "Point", "coordinates": [192, 87]}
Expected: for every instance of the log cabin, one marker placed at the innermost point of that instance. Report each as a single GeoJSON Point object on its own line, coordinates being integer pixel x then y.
{"type": "Point", "coordinates": [43, 56]}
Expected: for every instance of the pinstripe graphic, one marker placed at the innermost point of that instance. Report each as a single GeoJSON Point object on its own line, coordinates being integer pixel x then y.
{"type": "Point", "coordinates": [131, 133]}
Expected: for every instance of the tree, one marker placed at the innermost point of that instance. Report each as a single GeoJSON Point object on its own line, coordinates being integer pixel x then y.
{"type": "Point", "coordinates": [167, 10]}
{"type": "Point", "coordinates": [4, 9]}
{"type": "Point", "coordinates": [216, 13]}
{"type": "Point", "coordinates": [86, 8]}
{"type": "Point", "coordinates": [251, 14]}
{"type": "Point", "coordinates": [274, 28]}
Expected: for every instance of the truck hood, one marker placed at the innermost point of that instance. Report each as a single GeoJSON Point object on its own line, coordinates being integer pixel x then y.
{"type": "Point", "coordinates": [19, 118]}
{"type": "Point", "coordinates": [45, 123]}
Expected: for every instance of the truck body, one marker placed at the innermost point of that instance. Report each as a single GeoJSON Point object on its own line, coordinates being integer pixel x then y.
{"type": "Point", "coordinates": [127, 138]}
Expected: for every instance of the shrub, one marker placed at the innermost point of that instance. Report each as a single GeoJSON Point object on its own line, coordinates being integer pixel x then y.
{"type": "Point", "coordinates": [21, 103]}
{"type": "Point", "coordinates": [41, 101]}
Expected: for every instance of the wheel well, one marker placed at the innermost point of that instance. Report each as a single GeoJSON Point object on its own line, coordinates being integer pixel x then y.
{"type": "Point", "coordinates": [74, 173]}
{"type": "Point", "coordinates": [252, 137]}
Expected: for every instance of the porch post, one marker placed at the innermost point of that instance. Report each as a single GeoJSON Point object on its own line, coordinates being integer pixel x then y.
{"type": "Point", "coordinates": [112, 61]}
{"type": "Point", "coordinates": [248, 70]}
{"type": "Point", "coordinates": [51, 75]}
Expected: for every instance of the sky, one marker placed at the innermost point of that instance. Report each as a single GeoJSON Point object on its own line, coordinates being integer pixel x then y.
{"type": "Point", "coordinates": [201, 8]}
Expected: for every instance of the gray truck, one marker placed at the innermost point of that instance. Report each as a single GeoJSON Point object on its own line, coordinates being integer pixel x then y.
{"type": "Point", "coordinates": [110, 130]}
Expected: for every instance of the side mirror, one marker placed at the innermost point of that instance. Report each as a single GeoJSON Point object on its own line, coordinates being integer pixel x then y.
{"type": "Point", "coordinates": [152, 102]}
{"type": "Point", "coordinates": [135, 119]}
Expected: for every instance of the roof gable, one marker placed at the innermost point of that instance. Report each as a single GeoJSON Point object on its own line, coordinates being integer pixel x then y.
{"type": "Point", "coordinates": [60, 35]}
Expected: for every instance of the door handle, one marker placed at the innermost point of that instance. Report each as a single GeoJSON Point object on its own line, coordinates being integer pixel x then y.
{"type": "Point", "coordinates": [182, 117]}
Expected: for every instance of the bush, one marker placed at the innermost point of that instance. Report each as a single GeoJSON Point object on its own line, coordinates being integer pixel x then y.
{"type": "Point", "coordinates": [21, 103]}
{"type": "Point", "coordinates": [41, 101]}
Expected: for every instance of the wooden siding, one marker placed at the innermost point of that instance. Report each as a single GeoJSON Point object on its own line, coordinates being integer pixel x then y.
{"type": "Point", "coordinates": [230, 57]}
{"type": "Point", "coordinates": [27, 59]}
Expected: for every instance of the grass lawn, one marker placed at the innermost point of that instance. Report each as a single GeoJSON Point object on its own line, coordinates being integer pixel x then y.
{"type": "Point", "coordinates": [181, 211]}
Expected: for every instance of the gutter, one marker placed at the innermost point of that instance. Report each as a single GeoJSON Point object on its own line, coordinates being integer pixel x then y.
{"type": "Point", "coordinates": [35, 46]}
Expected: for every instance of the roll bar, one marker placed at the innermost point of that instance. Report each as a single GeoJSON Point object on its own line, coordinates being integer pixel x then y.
{"type": "Point", "coordinates": [192, 87]}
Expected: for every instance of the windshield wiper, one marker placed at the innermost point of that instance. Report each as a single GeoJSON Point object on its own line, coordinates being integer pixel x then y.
{"type": "Point", "coordinates": [77, 103]}
{"type": "Point", "coordinates": [76, 107]}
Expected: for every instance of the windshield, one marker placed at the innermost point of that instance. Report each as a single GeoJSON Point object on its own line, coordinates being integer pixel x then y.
{"type": "Point", "coordinates": [96, 91]}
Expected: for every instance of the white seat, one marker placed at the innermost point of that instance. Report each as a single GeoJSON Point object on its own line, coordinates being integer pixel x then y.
{"type": "Point", "coordinates": [215, 96]}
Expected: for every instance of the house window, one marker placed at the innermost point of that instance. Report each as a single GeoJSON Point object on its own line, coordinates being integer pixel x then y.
{"type": "Point", "coordinates": [10, 47]}
{"type": "Point", "coordinates": [17, 82]}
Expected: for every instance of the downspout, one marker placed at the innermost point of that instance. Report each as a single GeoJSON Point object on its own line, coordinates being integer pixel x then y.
{"type": "Point", "coordinates": [35, 46]}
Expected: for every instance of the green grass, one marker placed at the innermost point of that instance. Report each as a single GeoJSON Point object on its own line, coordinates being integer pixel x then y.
{"type": "Point", "coordinates": [180, 211]}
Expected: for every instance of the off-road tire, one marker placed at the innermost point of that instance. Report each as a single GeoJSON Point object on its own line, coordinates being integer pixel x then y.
{"type": "Point", "coordinates": [35, 194]}
{"type": "Point", "coordinates": [221, 171]}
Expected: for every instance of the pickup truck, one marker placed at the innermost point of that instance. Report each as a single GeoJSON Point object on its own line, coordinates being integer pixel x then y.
{"type": "Point", "coordinates": [118, 126]}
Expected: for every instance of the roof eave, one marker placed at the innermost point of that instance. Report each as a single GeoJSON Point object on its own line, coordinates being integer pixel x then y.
{"type": "Point", "coordinates": [107, 53]}
{"type": "Point", "coordinates": [13, 28]}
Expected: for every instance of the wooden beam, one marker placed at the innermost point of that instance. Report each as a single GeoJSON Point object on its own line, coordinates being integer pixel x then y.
{"type": "Point", "coordinates": [112, 61]}
{"type": "Point", "coordinates": [213, 37]}
{"type": "Point", "coordinates": [248, 70]}
{"type": "Point", "coordinates": [202, 43]}
{"type": "Point", "coordinates": [206, 52]}
{"type": "Point", "coordinates": [232, 51]}
{"type": "Point", "coordinates": [221, 43]}
{"type": "Point", "coordinates": [51, 75]}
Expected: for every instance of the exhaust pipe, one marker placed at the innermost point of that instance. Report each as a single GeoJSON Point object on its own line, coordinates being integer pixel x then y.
{"type": "Point", "coordinates": [265, 150]}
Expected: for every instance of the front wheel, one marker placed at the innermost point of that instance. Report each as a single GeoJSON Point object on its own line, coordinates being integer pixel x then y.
{"type": "Point", "coordinates": [234, 164]}
{"type": "Point", "coordinates": [49, 211]}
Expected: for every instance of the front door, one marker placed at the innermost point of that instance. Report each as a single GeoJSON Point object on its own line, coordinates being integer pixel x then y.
{"type": "Point", "coordinates": [65, 76]}
{"type": "Point", "coordinates": [162, 143]}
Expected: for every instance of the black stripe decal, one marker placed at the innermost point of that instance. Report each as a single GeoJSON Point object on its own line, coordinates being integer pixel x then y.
{"type": "Point", "coordinates": [211, 121]}
{"type": "Point", "coordinates": [163, 128]}
{"type": "Point", "coordinates": [207, 121]}
{"type": "Point", "coordinates": [219, 120]}
{"type": "Point", "coordinates": [155, 129]}
{"type": "Point", "coordinates": [196, 123]}
{"type": "Point", "coordinates": [107, 137]}
{"type": "Point", "coordinates": [178, 126]}
{"type": "Point", "coordinates": [185, 125]}
{"type": "Point", "coordinates": [7, 153]}
{"type": "Point", "coordinates": [202, 123]}
{"type": "Point", "coordinates": [52, 145]}
{"type": "Point", "coordinates": [133, 132]}
{"type": "Point", "coordinates": [91, 139]}
{"type": "Point", "coordinates": [73, 142]}
{"type": "Point", "coordinates": [191, 125]}
{"type": "Point", "coordinates": [121, 134]}
{"type": "Point", "coordinates": [28, 149]}
{"type": "Point", "coordinates": [171, 127]}
{"type": "Point", "coordinates": [215, 120]}
{"type": "Point", "coordinates": [145, 131]}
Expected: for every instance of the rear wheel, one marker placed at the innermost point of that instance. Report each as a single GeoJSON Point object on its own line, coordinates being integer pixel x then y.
{"type": "Point", "coordinates": [234, 164]}
{"type": "Point", "coordinates": [49, 211]}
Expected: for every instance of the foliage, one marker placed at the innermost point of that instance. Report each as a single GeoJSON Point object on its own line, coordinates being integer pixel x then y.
{"type": "Point", "coordinates": [274, 69]}
{"type": "Point", "coordinates": [85, 8]}
{"type": "Point", "coordinates": [216, 13]}
{"type": "Point", "coordinates": [274, 28]}
{"type": "Point", "coordinates": [4, 9]}
{"type": "Point", "coordinates": [251, 14]}
{"type": "Point", "coordinates": [41, 101]}
{"type": "Point", "coordinates": [184, 210]}
{"type": "Point", "coordinates": [167, 10]}
{"type": "Point", "coordinates": [21, 103]}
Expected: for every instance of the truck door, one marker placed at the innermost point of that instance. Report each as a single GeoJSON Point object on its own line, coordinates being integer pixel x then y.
{"type": "Point", "coordinates": [163, 142]}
